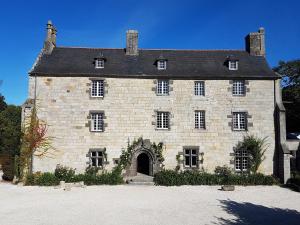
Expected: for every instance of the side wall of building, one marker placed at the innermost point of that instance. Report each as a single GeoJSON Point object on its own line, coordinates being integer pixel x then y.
{"type": "Point", "coordinates": [129, 106]}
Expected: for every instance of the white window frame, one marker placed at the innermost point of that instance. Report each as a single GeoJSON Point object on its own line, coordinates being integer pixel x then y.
{"type": "Point", "coordinates": [97, 88]}
{"type": "Point", "coordinates": [162, 120]}
{"type": "Point", "coordinates": [162, 64]}
{"type": "Point", "coordinates": [200, 120]}
{"type": "Point", "coordinates": [239, 121]}
{"type": "Point", "coordinates": [241, 160]}
{"type": "Point", "coordinates": [163, 87]}
{"type": "Point", "coordinates": [97, 123]}
{"type": "Point", "coordinates": [199, 88]}
{"type": "Point", "coordinates": [238, 88]}
{"type": "Point", "coordinates": [193, 153]}
{"type": "Point", "coordinates": [98, 156]}
{"type": "Point", "coordinates": [233, 65]}
{"type": "Point", "coordinates": [99, 63]}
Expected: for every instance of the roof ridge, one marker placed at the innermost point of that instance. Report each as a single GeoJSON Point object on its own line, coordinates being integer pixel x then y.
{"type": "Point", "coordinates": [159, 49]}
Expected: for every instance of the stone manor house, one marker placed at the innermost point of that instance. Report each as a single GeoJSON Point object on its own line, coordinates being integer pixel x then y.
{"type": "Point", "coordinates": [198, 103]}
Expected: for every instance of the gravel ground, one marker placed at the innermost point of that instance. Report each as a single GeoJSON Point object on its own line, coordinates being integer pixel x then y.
{"type": "Point", "coordinates": [144, 205]}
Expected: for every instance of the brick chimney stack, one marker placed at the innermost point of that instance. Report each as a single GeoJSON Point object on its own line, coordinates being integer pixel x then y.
{"type": "Point", "coordinates": [50, 41]}
{"type": "Point", "coordinates": [132, 42]}
{"type": "Point", "coordinates": [255, 43]}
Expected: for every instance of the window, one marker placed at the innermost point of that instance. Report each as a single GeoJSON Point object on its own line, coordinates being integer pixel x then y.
{"type": "Point", "coordinates": [199, 88]}
{"type": "Point", "coordinates": [162, 87]}
{"type": "Point", "coordinates": [233, 65]}
{"type": "Point", "coordinates": [97, 122]}
{"type": "Point", "coordinates": [200, 119]}
{"type": "Point", "coordinates": [99, 63]}
{"type": "Point", "coordinates": [239, 121]}
{"type": "Point", "coordinates": [161, 64]}
{"type": "Point", "coordinates": [97, 89]}
{"type": "Point", "coordinates": [241, 160]}
{"type": "Point", "coordinates": [191, 158]}
{"type": "Point", "coordinates": [162, 120]}
{"type": "Point", "coordinates": [238, 87]}
{"type": "Point", "coordinates": [96, 158]}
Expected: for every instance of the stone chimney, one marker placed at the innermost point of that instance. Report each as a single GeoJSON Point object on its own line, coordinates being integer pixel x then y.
{"type": "Point", "coordinates": [132, 42]}
{"type": "Point", "coordinates": [255, 43]}
{"type": "Point", "coordinates": [50, 41]}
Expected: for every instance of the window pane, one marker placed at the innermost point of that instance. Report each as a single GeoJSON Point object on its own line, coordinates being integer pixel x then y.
{"type": "Point", "coordinates": [94, 162]}
{"type": "Point", "coordinates": [187, 161]}
{"type": "Point", "coordinates": [200, 119]}
{"type": "Point", "coordinates": [163, 87]}
{"type": "Point", "coordinates": [238, 87]}
{"type": "Point", "coordinates": [94, 154]}
{"type": "Point", "coordinates": [187, 151]}
{"type": "Point", "coordinates": [100, 162]}
{"type": "Point", "coordinates": [97, 122]}
{"type": "Point", "coordinates": [194, 161]}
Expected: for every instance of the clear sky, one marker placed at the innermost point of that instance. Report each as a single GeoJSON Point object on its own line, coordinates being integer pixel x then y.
{"type": "Point", "coordinates": [187, 24]}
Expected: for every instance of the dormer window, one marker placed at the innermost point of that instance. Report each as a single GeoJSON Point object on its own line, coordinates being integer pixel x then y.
{"type": "Point", "coordinates": [99, 63]}
{"type": "Point", "coordinates": [233, 65]}
{"type": "Point", "coordinates": [161, 64]}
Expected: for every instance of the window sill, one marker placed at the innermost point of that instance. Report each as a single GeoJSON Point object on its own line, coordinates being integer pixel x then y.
{"type": "Point", "coordinates": [236, 95]}
{"type": "Point", "coordinates": [96, 131]}
{"type": "Point", "coordinates": [162, 129]}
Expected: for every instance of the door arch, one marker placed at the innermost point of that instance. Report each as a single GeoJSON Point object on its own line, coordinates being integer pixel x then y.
{"type": "Point", "coordinates": [143, 162]}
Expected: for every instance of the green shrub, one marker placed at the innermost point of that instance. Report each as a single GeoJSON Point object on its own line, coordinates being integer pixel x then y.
{"type": "Point", "coordinates": [42, 179]}
{"type": "Point", "coordinates": [91, 170]}
{"type": "Point", "coordinates": [173, 178]}
{"type": "Point", "coordinates": [64, 173]}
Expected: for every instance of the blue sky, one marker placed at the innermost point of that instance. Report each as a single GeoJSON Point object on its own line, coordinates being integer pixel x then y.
{"type": "Point", "coordinates": [161, 24]}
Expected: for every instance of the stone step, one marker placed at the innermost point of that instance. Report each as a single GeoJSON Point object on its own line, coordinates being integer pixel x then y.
{"type": "Point", "coordinates": [140, 179]}
{"type": "Point", "coordinates": [141, 183]}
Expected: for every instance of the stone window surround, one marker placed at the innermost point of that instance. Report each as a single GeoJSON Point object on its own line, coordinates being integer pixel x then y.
{"type": "Point", "coordinates": [154, 121]}
{"type": "Point", "coordinates": [155, 88]}
{"type": "Point", "coordinates": [248, 117]}
{"type": "Point", "coordinates": [97, 87]}
{"type": "Point", "coordinates": [197, 148]}
{"type": "Point", "coordinates": [97, 157]}
{"type": "Point", "coordinates": [246, 87]}
{"type": "Point", "coordinates": [241, 159]}
{"type": "Point", "coordinates": [89, 85]}
{"type": "Point", "coordinates": [89, 123]}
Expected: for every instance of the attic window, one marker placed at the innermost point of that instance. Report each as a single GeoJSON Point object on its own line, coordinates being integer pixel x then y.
{"type": "Point", "coordinates": [233, 65]}
{"type": "Point", "coordinates": [161, 64]}
{"type": "Point", "coordinates": [99, 63]}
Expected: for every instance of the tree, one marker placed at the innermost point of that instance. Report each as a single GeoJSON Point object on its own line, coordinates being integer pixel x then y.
{"type": "Point", "coordinates": [2, 100]}
{"type": "Point", "coordinates": [256, 148]}
{"type": "Point", "coordinates": [290, 72]}
{"type": "Point", "coordinates": [35, 142]}
{"type": "Point", "coordinates": [10, 133]}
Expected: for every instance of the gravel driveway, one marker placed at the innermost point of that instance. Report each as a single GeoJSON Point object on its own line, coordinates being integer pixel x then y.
{"type": "Point", "coordinates": [144, 205]}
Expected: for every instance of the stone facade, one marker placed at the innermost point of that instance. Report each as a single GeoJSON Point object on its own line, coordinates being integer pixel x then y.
{"type": "Point", "coordinates": [129, 107]}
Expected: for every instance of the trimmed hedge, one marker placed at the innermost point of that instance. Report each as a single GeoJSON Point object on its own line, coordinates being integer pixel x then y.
{"type": "Point", "coordinates": [68, 175]}
{"type": "Point", "coordinates": [173, 178]}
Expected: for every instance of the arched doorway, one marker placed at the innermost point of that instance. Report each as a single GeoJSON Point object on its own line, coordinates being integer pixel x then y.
{"type": "Point", "coordinates": [143, 163]}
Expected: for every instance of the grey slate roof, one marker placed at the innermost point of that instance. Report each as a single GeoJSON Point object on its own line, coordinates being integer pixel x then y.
{"type": "Point", "coordinates": [186, 64]}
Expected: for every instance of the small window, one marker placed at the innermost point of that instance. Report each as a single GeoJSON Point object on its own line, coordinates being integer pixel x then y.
{"type": "Point", "coordinates": [97, 89]}
{"type": "Point", "coordinates": [161, 64]}
{"type": "Point", "coordinates": [97, 122]}
{"type": "Point", "coordinates": [162, 120]}
{"type": "Point", "coordinates": [99, 63]}
{"type": "Point", "coordinates": [96, 158]}
{"type": "Point", "coordinates": [241, 160]}
{"type": "Point", "coordinates": [233, 65]}
{"type": "Point", "coordinates": [238, 87]}
{"type": "Point", "coordinates": [162, 87]}
{"type": "Point", "coordinates": [200, 119]}
{"type": "Point", "coordinates": [191, 158]}
{"type": "Point", "coordinates": [199, 88]}
{"type": "Point", "coordinates": [239, 121]}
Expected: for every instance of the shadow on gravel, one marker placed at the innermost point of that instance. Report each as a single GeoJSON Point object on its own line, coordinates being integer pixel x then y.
{"type": "Point", "coordinates": [247, 213]}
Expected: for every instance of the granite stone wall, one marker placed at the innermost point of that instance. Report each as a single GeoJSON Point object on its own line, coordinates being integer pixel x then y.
{"type": "Point", "coordinates": [129, 106]}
